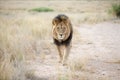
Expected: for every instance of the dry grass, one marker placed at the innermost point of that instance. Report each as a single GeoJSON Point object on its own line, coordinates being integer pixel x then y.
{"type": "Point", "coordinates": [18, 38]}
{"type": "Point", "coordinates": [77, 63]}
{"type": "Point", "coordinates": [21, 31]}
{"type": "Point", "coordinates": [11, 59]}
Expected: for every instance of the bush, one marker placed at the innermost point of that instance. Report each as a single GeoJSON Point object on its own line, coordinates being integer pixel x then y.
{"type": "Point", "coordinates": [42, 9]}
{"type": "Point", "coordinates": [115, 10]}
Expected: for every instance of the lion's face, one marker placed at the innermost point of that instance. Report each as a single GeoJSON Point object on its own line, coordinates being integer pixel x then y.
{"type": "Point", "coordinates": [61, 31]}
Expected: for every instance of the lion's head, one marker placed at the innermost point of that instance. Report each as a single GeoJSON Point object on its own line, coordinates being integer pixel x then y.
{"type": "Point", "coordinates": [61, 27]}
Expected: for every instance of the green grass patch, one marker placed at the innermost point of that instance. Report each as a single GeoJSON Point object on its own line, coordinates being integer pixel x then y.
{"type": "Point", "coordinates": [115, 9]}
{"type": "Point", "coordinates": [42, 9]}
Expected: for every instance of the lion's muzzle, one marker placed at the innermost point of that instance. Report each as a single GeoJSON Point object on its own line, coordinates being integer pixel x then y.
{"type": "Point", "coordinates": [61, 36]}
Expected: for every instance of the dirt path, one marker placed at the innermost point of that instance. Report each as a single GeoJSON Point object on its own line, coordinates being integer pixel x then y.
{"type": "Point", "coordinates": [104, 45]}
{"type": "Point", "coordinates": [98, 50]}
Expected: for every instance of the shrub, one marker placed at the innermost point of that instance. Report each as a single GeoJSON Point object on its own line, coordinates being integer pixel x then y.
{"type": "Point", "coordinates": [42, 9]}
{"type": "Point", "coordinates": [115, 10]}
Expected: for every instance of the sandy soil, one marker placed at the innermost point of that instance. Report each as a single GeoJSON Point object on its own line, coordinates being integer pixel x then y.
{"type": "Point", "coordinates": [99, 44]}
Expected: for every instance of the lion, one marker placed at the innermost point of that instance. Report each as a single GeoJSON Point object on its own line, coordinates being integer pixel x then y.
{"type": "Point", "coordinates": [62, 36]}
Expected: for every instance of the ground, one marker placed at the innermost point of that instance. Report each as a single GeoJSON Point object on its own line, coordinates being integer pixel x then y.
{"type": "Point", "coordinates": [98, 49]}
{"type": "Point", "coordinates": [95, 52]}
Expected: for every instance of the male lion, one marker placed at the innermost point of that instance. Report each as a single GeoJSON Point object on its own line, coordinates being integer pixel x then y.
{"type": "Point", "coordinates": [62, 34]}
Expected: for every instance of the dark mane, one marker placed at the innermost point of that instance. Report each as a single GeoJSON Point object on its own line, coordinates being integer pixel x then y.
{"type": "Point", "coordinates": [59, 19]}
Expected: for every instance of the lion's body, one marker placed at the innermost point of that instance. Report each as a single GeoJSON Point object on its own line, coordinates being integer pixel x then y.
{"type": "Point", "coordinates": [62, 35]}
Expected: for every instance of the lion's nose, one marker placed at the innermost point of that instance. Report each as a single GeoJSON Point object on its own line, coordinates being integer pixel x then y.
{"type": "Point", "coordinates": [60, 34]}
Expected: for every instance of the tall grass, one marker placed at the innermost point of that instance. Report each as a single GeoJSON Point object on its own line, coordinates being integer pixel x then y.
{"type": "Point", "coordinates": [18, 38]}
{"type": "Point", "coordinates": [11, 59]}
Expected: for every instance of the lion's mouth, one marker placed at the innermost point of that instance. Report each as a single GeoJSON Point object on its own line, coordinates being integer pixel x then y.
{"type": "Point", "coordinates": [61, 37]}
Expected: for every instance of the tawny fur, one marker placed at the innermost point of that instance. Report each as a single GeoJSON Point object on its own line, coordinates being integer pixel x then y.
{"type": "Point", "coordinates": [62, 35]}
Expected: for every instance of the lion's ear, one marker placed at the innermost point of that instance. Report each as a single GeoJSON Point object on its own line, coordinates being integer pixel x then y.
{"type": "Point", "coordinates": [66, 21]}
{"type": "Point", "coordinates": [55, 21]}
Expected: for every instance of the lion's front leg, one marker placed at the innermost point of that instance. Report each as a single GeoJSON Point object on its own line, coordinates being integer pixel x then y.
{"type": "Point", "coordinates": [65, 54]}
{"type": "Point", "coordinates": [60, 53]}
